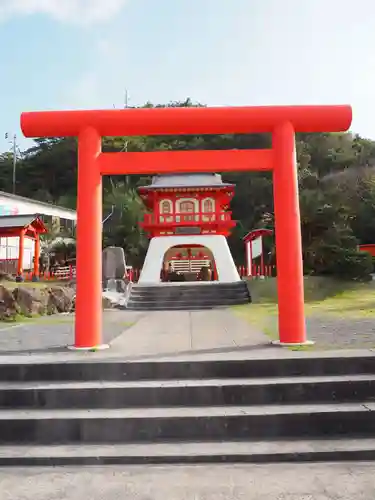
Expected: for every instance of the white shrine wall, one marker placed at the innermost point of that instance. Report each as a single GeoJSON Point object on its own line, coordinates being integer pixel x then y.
{"type": "Point", "coordinates": [217, 244]}
{"type": "Point", "coordinates": [9, 250]}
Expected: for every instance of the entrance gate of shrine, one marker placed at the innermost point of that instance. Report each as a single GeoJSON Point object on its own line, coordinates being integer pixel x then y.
{"type": "Point", "coordinates": [281, 121]}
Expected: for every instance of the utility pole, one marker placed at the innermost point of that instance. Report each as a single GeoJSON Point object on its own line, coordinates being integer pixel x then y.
{"type": "Point", "coordinates": [125, 107]}
{"type": "Point", "coordinates": [14, 163]}
{"type": "Point", "coordinates": [14, 152]}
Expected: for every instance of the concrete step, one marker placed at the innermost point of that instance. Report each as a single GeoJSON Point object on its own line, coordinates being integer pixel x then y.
{"type": "Point", "coordinates": [184, 304]}
{"type": "Point", "coordinates": [166, 297]}
{"type": "Point", "coordinates": [185, 295]}
{"type": "Point", "coordinates": [213, 285]}
{"type": "Point", "coordinates": [171, 307]}
{"type": "Point", "coordinates": [191, 298]}
{"type": "Point", "coordinates": [220, 423]}
{"type": "Point", "coordinates": [167, 393]}
{"type": "Point", "coordinates": [313, 450]}
{"type": "Point", "coordinates": [113, 370]}
{"type": "Point", "coordinates": [190, 290]}
{"type": "Point", "coordinates": [201, 292]}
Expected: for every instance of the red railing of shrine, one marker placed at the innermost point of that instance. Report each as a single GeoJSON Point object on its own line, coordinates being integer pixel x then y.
{"type": "Point", "coordinates": [257, 271]}
{"type": "Point", "coordinates": [189, 218]}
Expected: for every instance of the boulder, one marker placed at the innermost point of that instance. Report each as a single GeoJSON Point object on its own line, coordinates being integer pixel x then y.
{"type": "Point", "coordinates": [31, 300]}
{"type": "Point", "coordinates": [5, 276]}
{"type": "Point", "coordinates": [8, 305]}
{"type": "Point", "coordinates": [106, 303]}
{"type": "Point", "coordinates": [60, 299]}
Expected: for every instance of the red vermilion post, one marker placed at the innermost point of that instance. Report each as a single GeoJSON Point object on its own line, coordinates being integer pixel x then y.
{"type": "Point", "coordinates": [292, 329]}
{"type": "Point", "coordinates": [21, 246]}
{"type": "Point", "coordinates": [88, 322]}
{"type": "Point", "coordinates": [36, 255]}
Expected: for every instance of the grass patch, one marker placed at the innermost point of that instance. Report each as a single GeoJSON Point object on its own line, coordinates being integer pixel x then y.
{"type": "Point", "coordinates": [53, 320]}
{"type": "Point", "coordinates": [354, 303]}
{"type": "Point", "coordinates": [11, 285]}
{"type": "Point", "coordinates": [323, 296]}
{"type": "Point", "coordinates": [127, 324]}
{"type": "Point", "coordinates": [262, 316]}
{"type": "Point", "coordinates": [35, 319]}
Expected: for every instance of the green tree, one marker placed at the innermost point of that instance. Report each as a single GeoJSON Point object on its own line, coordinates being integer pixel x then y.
{"type": "Point", "coordinates": [122, 228]}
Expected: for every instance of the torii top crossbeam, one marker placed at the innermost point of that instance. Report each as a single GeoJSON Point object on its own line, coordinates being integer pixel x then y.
{"type": "Point", "coordinates": [185, 121]}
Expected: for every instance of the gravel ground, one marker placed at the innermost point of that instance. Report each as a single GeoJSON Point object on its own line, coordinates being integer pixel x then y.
{"type": "Point", "coordinates": [221, 482]}
{"type": "Point", "coordinates": [54, 333]}
{"type": "Point", "coordinates": [335, 332]}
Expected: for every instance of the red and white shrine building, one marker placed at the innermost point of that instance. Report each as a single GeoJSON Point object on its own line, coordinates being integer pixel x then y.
{"type": "Point", "coordinates": [21, 223]}
{"type": "Point", "coordinates": [188, 221]}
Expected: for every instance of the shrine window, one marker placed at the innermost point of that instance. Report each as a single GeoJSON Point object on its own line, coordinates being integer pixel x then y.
{"type": "Point", "coordinates": [166, 207]}
{"type": "Point", "coordinates": [208, 205]}
{"type": "Point", "coordinates": [188, 207]}
{"type": "Point", "coordinates": [208, 209]}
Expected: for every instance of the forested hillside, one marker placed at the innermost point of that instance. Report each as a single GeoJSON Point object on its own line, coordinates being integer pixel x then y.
{"type": "Point", "coordinates": [337, 193]}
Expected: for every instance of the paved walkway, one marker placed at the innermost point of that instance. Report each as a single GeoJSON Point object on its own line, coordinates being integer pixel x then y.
{"type": "Point", "coordinates": [221, 482]}
{"type": "Point", "coordinates": [189, 333]}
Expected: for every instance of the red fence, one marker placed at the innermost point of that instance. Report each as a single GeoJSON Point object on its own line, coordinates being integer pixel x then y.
{"type": "Point", "coordinates": [69, 273]}
{"type": "Point", "coordinates": [268, 272]}
{"type": "Point", "coordinates": [8, 266]}
{"type": "Point", "coordinates": [257, 271]}
{"type": "Point", "coordinates": [66, 273]}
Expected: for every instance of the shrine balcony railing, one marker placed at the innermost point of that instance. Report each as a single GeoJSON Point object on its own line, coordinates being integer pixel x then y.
{"type": "Point", "coordinates": [187, 218]}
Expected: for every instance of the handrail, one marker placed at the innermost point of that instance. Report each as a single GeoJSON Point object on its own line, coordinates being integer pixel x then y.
{"type": "Point", "coordinates": [187, 217]}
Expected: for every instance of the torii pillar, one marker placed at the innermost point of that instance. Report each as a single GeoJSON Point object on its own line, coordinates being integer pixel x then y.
{"type": "Point", "coordinates": [280, 121]}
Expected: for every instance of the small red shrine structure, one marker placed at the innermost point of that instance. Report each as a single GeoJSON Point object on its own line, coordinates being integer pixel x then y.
{"type": "Point", "coordinates": [23, 226]}
{"type": "Point", "coordinates": [187, 204]}
{"type": "Point", "coordinates": [188, 213]}
{"type": "Point", "coordinates": [254, 248]}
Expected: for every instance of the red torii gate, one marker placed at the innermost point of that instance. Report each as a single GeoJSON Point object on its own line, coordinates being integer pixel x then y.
{"type": "Point", "coordinates": [91, 126]}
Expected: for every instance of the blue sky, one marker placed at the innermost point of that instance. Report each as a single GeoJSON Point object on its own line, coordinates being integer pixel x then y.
{"type": "Point", "coordinates": [67, 54]}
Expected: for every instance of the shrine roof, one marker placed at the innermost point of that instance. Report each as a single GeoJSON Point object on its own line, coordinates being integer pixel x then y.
{"type": "Point", "coordinates": [252, 235]}
{"type": "Point", "coordinates": [21, 222]}
{"type": "Point", "coordinates": [186, 180]}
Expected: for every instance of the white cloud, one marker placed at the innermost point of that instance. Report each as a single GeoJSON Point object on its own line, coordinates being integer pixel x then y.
{"type": "Point", "coordinates": [71, 11]}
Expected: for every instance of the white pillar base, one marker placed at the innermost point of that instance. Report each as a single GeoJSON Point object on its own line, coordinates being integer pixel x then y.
{"type": "Point", "coordinates": [292, 344]}
{"type": "Point", "coordinates": [94, 348]}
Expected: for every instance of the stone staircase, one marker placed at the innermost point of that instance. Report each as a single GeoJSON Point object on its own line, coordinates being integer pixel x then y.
{"type": "Point", "coordinates": [181, 296]}
{"type": "Point", "coordinates": [256, 410]}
